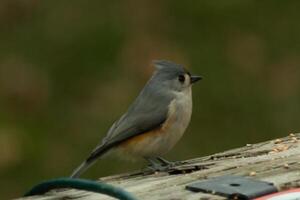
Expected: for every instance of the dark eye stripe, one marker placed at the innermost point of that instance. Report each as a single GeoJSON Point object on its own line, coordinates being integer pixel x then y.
{"type": "Point", "coordinates": [181, 78]}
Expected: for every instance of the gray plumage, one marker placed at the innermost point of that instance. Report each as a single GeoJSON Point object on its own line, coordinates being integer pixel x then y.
{"type": "Point", "coordinates": [149, 111]}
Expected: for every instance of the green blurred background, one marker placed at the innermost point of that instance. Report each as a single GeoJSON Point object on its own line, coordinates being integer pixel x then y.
{"type": "Point", "coordinates": [68, 69]}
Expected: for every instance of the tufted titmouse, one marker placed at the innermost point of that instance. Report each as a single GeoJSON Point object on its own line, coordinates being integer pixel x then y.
{"type": "Point", "coordinates": [155, 121]}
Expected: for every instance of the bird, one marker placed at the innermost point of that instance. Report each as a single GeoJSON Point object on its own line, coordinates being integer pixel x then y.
{"type": "Point", "coordinates": [154, 122]}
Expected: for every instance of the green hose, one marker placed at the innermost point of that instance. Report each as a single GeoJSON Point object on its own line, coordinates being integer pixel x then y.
{"type": "Point", "coordinates": [81, 184]}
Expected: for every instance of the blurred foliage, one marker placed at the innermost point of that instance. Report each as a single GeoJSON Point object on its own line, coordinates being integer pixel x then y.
{"type": "Point", "coordinates": [68, 69]}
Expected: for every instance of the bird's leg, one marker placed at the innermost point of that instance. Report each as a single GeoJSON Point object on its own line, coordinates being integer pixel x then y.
{"type": "Point", "coordinates": [170, 164]}
{"type": "Point", "coordinates": [154, 165]}
{"type": "Point", "coordinates": [165, 162]}
{"type": "Point", "coordinates": [151, 160]}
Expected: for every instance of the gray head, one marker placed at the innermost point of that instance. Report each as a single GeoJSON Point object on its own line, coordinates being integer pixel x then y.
{"type": "Point", "coordinates": [173, 76]}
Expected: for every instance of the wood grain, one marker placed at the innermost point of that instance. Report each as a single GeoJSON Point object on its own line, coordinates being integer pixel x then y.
{"type": "Point", "coordinates": [276, 161]}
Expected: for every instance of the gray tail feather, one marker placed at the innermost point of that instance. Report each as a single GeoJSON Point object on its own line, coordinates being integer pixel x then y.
{"type": "Point", "coordinates": [99, 151]}
{"type": "Point", "coordinates": [82, 168]}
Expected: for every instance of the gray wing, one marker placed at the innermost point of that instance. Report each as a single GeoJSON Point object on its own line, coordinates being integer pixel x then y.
{"type": "Point", "coordinates": [149, 111]}
{"type": "Point", "coordinates": [143, 116]}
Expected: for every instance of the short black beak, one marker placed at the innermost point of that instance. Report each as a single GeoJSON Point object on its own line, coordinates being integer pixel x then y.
{"type": "Point", "coordinates": [194, 79]}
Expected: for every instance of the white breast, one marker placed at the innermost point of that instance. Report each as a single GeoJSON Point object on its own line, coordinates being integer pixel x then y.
{"type": "Point", "coordinates": [162, 140]}
{"type": "Point", "coordinates": [180, 111]}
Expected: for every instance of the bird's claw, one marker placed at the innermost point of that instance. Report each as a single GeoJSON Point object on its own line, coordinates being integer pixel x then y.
{"type": "Point", "coordinates": [162, 165]}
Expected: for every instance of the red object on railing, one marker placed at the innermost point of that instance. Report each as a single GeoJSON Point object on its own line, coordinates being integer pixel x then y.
{"type": "Point", "coordinates": [291, 194]}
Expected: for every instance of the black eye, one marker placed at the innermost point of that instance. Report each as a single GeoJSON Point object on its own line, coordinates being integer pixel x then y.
{"type": "Point", "coordinates": [181, 78]}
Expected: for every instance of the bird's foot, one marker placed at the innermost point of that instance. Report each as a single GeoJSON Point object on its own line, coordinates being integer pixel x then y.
{"type": "Point", "coordinates": [161, 164]}
{"type": "Point", "coordinates": [165, 162]}
{"type": "Point", "coordinates": [158, 167]}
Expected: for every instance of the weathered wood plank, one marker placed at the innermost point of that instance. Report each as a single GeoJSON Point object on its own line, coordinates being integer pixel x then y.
{"type": "Point", "coordinates": [276, 161]}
